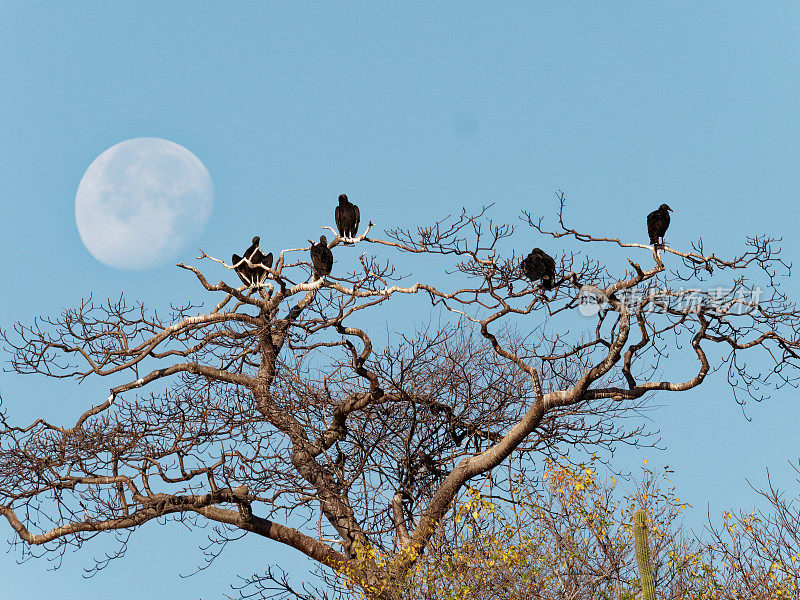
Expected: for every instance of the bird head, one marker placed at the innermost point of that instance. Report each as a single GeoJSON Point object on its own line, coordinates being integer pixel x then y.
{"type": "Point", "coordinates": [343, 199]}
{"type": "Point", "coordinates": [665, 207]}
{"type": "Point", "coordinates": [323, 240]}
{"type": "Point", "coordinates": [256, 240]}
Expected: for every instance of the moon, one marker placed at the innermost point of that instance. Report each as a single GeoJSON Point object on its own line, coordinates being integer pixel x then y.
{"type": "Point", "coordinates": [141, 201]}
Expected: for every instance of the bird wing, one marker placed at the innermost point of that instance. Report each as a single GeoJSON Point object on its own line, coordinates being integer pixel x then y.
{"type": "Point", "coordinates": [532, 266]}
{"type": "Point", "coordinates": [326, 259]}
{"type": "Point", "coordinates": [652, 226]}
{"type": "Point", "coordinates": [338, 216]}
{"type": "Point", "coordinates": [315, 258]}
{"type": "Point", "coordinates": [241, 268]}
{"type": "Point", "coordinates": [551, 264]}
{"type": "Point", "coordinates": [259, 261]}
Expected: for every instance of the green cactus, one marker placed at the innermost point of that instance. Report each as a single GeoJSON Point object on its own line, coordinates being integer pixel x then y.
{"type": "Point", "coordinates": [643, 555]}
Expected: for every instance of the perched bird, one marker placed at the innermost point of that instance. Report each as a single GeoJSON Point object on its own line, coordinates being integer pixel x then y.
{"type": "Point", "coordinates": [261, 260]}
{"type": "Point", "coordinates": [347, 218]}
{"type": "Point", "coordinates": [321, 257]}
{"type": "Point", "coordinates": [657, 223]}
{"type": "Point", "coordinates": [538, 265]}
{"type": "Point", "coordinates": [252, 275]}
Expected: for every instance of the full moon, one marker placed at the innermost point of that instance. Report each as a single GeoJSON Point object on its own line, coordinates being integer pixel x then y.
{"type": "Point", "coordinates": [141, 201]}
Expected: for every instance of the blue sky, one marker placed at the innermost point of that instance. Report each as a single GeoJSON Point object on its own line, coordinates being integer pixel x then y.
{"type": "Point", "coordinates": [414, 111]}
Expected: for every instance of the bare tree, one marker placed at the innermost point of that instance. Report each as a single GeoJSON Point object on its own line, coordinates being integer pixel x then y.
{"type": "Point", "coordinates": [275, 414]}
{"type": "Point", "coordinates": [759, 552]}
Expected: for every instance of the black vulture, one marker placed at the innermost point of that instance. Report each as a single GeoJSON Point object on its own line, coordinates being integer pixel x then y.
{"type": "Point", "coordinates": [538, 265]}
{"type": "Point", "coordinates": [251, 275]}
{"type": "Point", "coordinates": [657, 223]}
{"type": "Point", "coordinates": [321, 258]}
{"type": "Point", "coordinates": [261, 260]}
{"type": "Point", "coordinates": [347, 218]}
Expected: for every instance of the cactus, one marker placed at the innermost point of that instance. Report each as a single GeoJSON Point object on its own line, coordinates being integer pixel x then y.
{"type": "Point", "coordinates": [643, 555]}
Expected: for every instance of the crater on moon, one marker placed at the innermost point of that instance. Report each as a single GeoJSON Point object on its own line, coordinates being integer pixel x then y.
{"type": "Point", "coordinates": [141, 201]}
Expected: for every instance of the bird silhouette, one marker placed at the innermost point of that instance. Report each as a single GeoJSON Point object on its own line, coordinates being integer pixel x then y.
{"type": "Point", "coordinates": [321, 258]}
{"type": "Point", "coordinates": [347, 218]}
{"type": "Point", "coordinates": [255, 274]}
{"type": "Point", "coordinates": [539, 265]}
{"type": "Point", "coordinates": [657, 223]}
